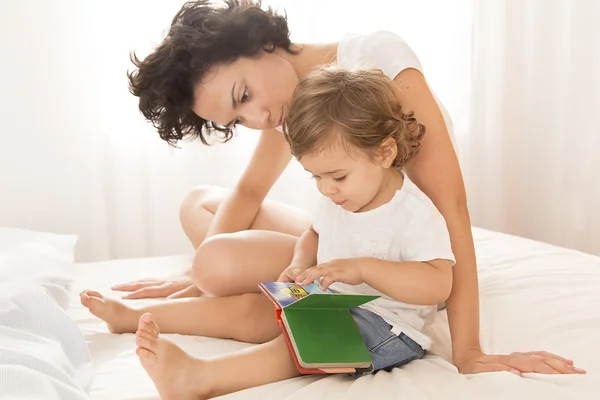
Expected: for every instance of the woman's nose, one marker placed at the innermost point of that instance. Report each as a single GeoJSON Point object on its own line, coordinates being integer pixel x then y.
{"type": "Point", "coordinates": [260, 118]}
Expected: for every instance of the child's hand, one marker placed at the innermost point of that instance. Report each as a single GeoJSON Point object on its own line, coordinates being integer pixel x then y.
{"type": "Point", "coordinates": [342, 270]}
{"type": "Point", "coordinates": [290, 274]}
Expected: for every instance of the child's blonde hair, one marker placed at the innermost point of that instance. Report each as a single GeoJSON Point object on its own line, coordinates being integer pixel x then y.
{"type": "Point", "coordinates": [360, 105]}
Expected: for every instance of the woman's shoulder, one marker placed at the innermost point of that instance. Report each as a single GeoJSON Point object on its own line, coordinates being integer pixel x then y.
{"type": "Point", "coordinates": [382, 49]}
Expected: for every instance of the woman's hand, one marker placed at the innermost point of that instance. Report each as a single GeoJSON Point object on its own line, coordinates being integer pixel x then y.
{"type": "Point", "coordinates": [540, 362]}
{"type": "Point", "coordinates": [341, 270]}
{"type": "Point", "coordinates": [153, 288]}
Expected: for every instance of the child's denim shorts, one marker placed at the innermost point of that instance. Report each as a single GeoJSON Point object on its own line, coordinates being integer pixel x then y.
{"type": "Point", "coordinates": [387, 349]}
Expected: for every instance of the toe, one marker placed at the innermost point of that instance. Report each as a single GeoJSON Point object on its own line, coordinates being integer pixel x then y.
{"type": "Point", "coordinates": [154, 327]}
{"type": "Point", "coordinates": [84, 298]}
{"type": "Point", "coordinates": [146, 342]}
{"type": "Point", "coordinates": [146, 339]}
{"type": "Point", "coordinates": [147, 324]}
{"type": "Point", "coordinates": [91, 302]}
{"type": "Point", "coordinates": [144, 355]}
{"type": "Point", "coordinates": [151, 328]}
{"type": "Point", "coordinates": [93, 293]}
{"type": "Point", "coordinates": [146, 334]}
{"type": "Point", "coordinates": [146, 318]}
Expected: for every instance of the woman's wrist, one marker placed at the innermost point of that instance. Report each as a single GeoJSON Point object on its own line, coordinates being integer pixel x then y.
{"type": "Point", "coordinates": [466, 354]}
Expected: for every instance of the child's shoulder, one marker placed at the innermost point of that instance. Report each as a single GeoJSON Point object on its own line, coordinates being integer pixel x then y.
{"type": "Point", "coordinates": [414, 200]}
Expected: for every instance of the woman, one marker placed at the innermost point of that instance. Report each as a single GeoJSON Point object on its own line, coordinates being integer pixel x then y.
{"type": "Point", "coordinates": [221, 66]}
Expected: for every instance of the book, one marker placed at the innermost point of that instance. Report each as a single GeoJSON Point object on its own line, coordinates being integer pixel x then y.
{"type": "Point", "coordinates": [319, 328]}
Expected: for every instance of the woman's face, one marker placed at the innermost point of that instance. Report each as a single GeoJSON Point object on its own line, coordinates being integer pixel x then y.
{"type": "Point", "coordinates": [253, 92]}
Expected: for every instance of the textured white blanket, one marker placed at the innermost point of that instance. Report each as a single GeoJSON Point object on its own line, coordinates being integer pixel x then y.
{"type": "Point", "coordinates": [43, 354]}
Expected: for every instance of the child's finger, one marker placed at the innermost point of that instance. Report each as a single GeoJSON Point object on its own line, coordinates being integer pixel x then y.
{"type": "Point", "coordinates": [301, 277]}
{"type": "Point", "coordinates": [310, 277]}
{"type": "Point", "coordinates": [305, 275]}
{"type": "Point", "coordinates": [327, 281]}
{"type": "Point", "coordinates": [307, 279]}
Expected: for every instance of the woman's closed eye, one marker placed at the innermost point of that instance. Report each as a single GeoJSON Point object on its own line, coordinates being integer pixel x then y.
{"type": "Point", "coordinates": [245, 95]}
{"type": "Point", "coordinates": [243, 99]}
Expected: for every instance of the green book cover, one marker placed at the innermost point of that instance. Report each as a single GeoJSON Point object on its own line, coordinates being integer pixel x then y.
{"type": "Point", "coordinates": [319, 325]}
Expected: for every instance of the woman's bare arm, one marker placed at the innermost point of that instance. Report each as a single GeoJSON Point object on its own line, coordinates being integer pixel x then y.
{"type": "Point", "coordinates": [235, 213]}
{"type": "Point", "coordinates": [269, 160]}
{"type": "Point", "coordinates": [436, 171]}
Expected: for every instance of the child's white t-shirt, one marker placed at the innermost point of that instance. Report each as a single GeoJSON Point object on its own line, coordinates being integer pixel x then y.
{"type": "Point", "coordinates": [407, 228]}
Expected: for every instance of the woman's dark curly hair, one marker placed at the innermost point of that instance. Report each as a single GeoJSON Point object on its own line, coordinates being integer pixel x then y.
{"type": "Point", "coordinates": [202, 34]}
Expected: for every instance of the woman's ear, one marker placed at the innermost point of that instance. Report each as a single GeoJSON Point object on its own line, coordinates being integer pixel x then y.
{"type": "Point", "coordinates": [388, 150]}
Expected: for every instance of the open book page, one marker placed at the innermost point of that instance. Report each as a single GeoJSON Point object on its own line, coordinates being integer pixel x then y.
{"type": "Point", "coordinates": [286, 293]}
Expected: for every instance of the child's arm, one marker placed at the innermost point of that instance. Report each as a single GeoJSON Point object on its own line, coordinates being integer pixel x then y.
{"type": "Point", "coordinates": [423, 283]}
{"type": "Point", "coordinates": [305, 256]}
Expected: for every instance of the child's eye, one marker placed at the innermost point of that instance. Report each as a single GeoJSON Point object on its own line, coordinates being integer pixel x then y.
{"type": "Point", "coordinates": [244, 96]}
{"type": "Point", "coordinates": [340, 179]}
{"type": "Point", "coordinates": [315, 177]}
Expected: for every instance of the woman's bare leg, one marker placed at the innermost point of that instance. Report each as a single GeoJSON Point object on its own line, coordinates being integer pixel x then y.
{"type": "Point", "coordinates": [230, 266]}
{"type": "Point", "coordinates": [235, 263]}
{"type": "Point", "coordinates": [178, 376]}
{"type": "Point", "coordinates": [201, 203]}
{"type": "Point", "coordinates": [252, 315]}
{"type": "Point", "coordinates": [196, 214]}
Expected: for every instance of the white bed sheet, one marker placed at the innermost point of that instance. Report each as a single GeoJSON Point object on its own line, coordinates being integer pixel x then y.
{"type": "Point", "coordinates": [533, 296]}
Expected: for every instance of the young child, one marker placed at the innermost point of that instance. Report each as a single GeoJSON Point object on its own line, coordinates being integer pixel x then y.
{"type": "Point", "coordinates": [374, 232]}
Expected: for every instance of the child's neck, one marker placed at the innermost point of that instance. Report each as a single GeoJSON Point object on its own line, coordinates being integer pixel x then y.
{"type": "Point", "coordinates": [392, 182]}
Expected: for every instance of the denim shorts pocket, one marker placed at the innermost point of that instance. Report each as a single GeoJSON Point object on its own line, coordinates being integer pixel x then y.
{"type": "Point", "coordinates": [412, 344]}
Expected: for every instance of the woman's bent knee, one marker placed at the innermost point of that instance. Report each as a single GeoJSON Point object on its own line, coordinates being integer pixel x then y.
{"type": "Point", "coordinates": [201, 196]}
{"type": "Point", "coordinates": [197, 210]}
{"type": "Point", "coordinates": [214, 267]}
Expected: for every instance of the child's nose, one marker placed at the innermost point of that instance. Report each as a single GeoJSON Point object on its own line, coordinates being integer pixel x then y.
{"type": "Point", "coordinates": [329, 188]}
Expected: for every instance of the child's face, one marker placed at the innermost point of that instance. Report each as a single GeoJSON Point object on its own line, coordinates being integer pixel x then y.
{"type": "Point", "coordinates": [352, 182]}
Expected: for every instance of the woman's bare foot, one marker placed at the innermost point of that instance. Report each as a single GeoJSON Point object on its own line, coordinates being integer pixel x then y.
{"type": "Point", "coordinates": [176, 375]}
{"type": "Point", "coordinates": [118, 317]}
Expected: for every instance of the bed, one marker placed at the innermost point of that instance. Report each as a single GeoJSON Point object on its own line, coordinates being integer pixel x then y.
{"type": "Point", "coordinates": [534, 296]}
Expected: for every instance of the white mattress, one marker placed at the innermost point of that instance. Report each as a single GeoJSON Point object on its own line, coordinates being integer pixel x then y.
{"type": "Point", "coordinates": [533, 297]}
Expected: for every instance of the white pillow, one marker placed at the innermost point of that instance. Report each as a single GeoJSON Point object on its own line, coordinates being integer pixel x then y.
{"type": "Point", "coordinates": [53, 245]}
{"type": "Point", "coordinates": [30, 258]}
